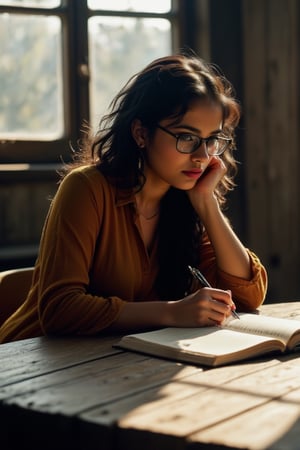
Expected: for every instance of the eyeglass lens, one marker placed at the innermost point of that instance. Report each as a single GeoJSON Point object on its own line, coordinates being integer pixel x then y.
{"type": "Point", "coordinates": [188, 143]}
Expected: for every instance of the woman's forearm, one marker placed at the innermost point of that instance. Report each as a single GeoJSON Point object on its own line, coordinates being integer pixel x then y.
{"type": "Point", "coordinates": [231, 255]}
{"type": "Point", "coordinates": [135, 315]}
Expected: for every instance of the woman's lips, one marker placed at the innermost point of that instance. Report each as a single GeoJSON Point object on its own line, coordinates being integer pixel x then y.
{"type": "Point", "coordinates": [192, 173]}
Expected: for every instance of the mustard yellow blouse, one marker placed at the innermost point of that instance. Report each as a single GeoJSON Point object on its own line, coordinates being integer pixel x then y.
{"type": "Point", "coordinates": [92, 260]}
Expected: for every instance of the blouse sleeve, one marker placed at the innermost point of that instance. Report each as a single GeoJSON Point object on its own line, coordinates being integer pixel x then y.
{"type": "Point", "coordinates": [247, 294]}
{"type": "Point", "coordinates": [66, 256]}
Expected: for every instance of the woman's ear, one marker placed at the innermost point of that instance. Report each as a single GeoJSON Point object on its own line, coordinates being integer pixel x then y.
{"type": "Point", "coordinates": [139, 133]}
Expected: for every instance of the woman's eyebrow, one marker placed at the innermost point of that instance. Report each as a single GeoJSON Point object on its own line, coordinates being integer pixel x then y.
{"type": "Point", "coordinates": [196, 130]}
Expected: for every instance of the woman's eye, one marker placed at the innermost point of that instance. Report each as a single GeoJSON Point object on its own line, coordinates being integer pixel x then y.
{"type": "Point", "coordinates": [188, 137]}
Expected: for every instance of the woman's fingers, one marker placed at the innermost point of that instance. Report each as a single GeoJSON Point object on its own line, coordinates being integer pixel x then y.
{"type": "Point", "coordinates": [205, 307]}
{"type": "Point", "coordinates": [212, 310]}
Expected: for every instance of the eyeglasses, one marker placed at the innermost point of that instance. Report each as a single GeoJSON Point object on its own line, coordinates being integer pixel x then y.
{"type": "Point", "coordinates": [189, 143]}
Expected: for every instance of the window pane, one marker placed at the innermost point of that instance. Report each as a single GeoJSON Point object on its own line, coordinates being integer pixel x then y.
{"type": "Point", "coordinates": [158, 6]}
{"type": "Point", "coordinates": [32, 3]}
{"type": "Point", "coordinates": [120, 47]}
{"type": "Point", "coordinates": [30, 77]}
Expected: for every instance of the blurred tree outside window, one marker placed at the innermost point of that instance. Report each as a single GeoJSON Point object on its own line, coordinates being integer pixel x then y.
{"type": "Point", "coordinates": [120, 47]}
{"type": "Point", "coordinates": [30, 77]}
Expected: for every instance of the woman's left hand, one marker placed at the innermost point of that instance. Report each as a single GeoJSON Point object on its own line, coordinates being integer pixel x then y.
{"type": "Point", "coordinates": [207, 183]}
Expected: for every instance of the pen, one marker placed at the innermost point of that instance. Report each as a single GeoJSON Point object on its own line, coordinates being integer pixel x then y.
{"type": "Point", "coordinates": [200, 277]}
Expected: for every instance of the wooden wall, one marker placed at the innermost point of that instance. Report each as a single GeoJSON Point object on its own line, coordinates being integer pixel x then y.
{"type": "Point", "coordinates": [272, 150]}
{"type": "Point", "coordinates": [25, 196]}
{"type": "Point", "coordinates": [257, 45]}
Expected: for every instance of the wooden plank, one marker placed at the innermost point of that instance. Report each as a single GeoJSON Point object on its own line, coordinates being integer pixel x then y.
{"type": "Point", "coordinates": [255, 428]}
{"type": "Point", "coordinates": [256, 149]}
{"type": "Point", "coordinates": [271, 105]}
{"type": "Point", "coordinates": [282, 127]}
{"type": "Point", "coordinates": [23, 360]}
{"type": "Point", "coordinates": [94, 383]}
{"type": "Point", "coordinates": [24, 207]}
{"type": "Point", "coordinates": [218, 403]}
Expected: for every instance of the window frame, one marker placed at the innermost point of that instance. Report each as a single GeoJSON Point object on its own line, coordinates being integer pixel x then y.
{"type": "Point", "coordinates": [74, 15]}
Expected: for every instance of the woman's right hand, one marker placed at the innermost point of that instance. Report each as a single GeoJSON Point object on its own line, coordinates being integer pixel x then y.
{"type": "Point", "coordinates": [205, 307]}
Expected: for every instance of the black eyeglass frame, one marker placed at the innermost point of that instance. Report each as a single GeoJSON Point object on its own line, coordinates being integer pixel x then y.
{"type": "Point", "coordinates": [227, 141]}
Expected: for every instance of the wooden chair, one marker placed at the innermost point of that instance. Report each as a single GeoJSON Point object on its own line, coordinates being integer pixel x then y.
{"type": "Point", "coordinates": [14, 286]}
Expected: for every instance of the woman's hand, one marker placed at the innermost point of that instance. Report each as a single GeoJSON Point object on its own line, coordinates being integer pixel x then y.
{"type": "Point", "coordinates": [205, 307]}
{"type": "Point", "coordinates": [207, 183]}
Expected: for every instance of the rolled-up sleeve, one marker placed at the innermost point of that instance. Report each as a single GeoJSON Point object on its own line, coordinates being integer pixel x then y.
{"type": "Point", "coordinates": [247, 294]}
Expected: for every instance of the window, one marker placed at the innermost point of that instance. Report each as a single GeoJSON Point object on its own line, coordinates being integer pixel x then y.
{"type": "Point", "coordinates": [31, 77]}
{"type": "Point", "coordinates": [62, 62]}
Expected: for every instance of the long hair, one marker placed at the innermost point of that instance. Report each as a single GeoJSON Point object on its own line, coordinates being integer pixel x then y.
{"type": "Point", "coordinates": [165, 89]}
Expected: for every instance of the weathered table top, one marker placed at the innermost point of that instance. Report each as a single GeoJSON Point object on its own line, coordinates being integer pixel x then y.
{"type": "Point", "coordinates": [82, 393]}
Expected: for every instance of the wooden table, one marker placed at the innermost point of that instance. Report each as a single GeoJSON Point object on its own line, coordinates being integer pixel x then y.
{"type": "Point", "coordinates": [81, 393]}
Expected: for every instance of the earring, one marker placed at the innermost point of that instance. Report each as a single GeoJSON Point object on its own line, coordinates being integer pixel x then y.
{"type": "Point", "coordinates": [140, 163]}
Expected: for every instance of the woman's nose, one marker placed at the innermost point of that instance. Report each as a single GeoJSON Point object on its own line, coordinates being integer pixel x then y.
{"type": "Point", "coordinates": [201, 152]}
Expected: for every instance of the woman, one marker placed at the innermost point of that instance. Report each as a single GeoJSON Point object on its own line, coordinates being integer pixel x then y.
{"type": "Point", "coordinates": [145, 201]}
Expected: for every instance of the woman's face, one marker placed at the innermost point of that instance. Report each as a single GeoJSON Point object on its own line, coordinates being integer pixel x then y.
{"type": "Point", "coordinates": [165, 165]}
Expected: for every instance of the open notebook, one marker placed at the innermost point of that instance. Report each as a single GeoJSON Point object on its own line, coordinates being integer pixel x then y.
{"type": "Point", "coordinates": [252, 335]}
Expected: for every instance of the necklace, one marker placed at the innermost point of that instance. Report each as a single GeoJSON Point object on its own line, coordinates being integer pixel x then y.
{"type": "Point", "coordinates": [150, 217]}
{"type": "Point", "coordinates": [141, 214]}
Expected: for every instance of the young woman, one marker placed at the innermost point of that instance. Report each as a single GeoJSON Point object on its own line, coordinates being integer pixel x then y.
{"type": "Point", "coordinates": [143, 202]}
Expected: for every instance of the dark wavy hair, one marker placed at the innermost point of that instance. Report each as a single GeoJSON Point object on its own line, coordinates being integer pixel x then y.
{"type": "Point", "coordinates": [164, 89]}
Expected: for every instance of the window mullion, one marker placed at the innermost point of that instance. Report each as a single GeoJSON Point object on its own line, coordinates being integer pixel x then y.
{"type": "Point", "coordinates": [81, 64]}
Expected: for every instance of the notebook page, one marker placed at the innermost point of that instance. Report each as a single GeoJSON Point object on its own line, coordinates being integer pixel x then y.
{"type": "Point", "coordinates": [274, 327]}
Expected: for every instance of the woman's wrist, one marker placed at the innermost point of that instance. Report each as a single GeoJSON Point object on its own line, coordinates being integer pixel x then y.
{"type": "Point", "coordinates": [208, 208]}
{"type": "Point", "coordinates": [170, 313]}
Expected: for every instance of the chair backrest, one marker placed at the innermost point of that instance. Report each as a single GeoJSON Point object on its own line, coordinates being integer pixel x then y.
{"type": "Point", "coordinates": [14, 286]}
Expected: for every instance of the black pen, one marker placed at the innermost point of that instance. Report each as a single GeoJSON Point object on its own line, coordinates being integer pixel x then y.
{"type": "Point", "coordinates": [200, 277]}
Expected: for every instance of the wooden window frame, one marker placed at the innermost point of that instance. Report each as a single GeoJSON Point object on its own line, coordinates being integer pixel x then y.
{"type": "Point", "coordinates": [74, 15]}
